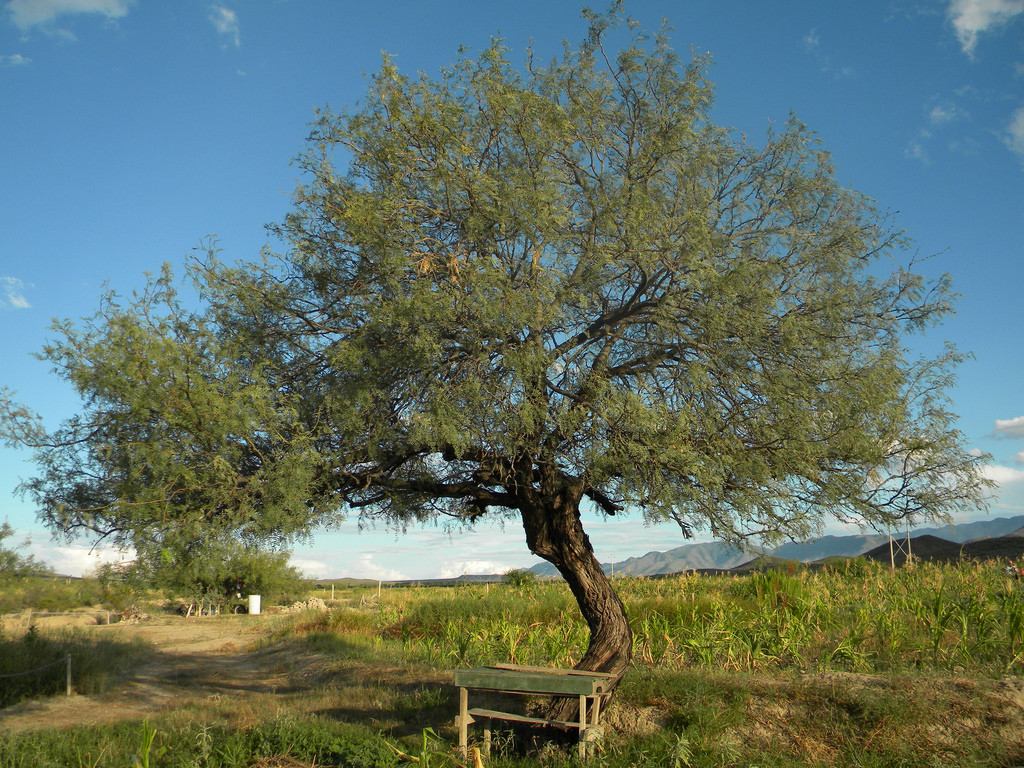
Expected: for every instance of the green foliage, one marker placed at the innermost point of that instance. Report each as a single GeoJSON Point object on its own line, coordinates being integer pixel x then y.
{"type": "Point", "coordinates": [215, 571]}
{"type": "Point", "coordinates": [54, 593]}
{"type": "Point", "coordinates": [174, 437]}
{"type": "Point", "coordinates": [521, 578]}
{"type": "Point", "coordinates": [13, 564]}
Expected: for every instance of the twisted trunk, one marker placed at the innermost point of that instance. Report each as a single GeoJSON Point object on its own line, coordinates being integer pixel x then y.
{"type": "Point", "coordinates": [555, 532]}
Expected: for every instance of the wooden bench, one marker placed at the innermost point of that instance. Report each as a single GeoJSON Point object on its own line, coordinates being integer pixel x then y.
{"type": "Point", "coordinates": [514, 679]}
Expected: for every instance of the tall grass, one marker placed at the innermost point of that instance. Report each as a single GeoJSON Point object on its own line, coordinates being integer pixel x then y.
{"type": "Point", "coordinates": [862, 617]}
{"type": "Point", "coordinates": [195, 745]}
{"type": "Point", "coordinates": [33, 665]}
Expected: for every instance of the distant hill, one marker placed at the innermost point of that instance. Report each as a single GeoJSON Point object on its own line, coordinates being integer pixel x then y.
{"type": "Point", "coordinates": [926, 547]}
{"type": "Point", "coordinates": [829, 546]}
{"type": "Point", "coordinates": [1002, 547]}
{"type": "Point", "coordinates": [934, 549]}
{"type": "Point", "coordinates": [706, 555]}
{"type": "Point", "coordinates": [980, 529]}
{"type": "Point", "coordinates": [718, 556]}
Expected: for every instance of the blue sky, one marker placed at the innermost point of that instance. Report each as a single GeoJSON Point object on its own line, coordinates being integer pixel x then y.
{"type": "Point", "coordinates": [132, 129]}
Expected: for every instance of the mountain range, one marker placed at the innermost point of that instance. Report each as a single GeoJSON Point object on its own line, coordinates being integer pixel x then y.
{"type": "Point", "coordinates": [719, 556]}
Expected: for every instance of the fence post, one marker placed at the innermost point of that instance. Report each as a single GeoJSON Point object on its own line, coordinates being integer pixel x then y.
{"type": "Point", "coordinates": [69, 674]}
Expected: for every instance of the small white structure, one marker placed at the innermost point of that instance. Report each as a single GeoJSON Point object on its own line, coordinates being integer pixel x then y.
{"type": "Point", "coordinates": [254, 605]}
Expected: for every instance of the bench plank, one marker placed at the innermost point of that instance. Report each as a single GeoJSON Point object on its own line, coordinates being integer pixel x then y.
{"type": "Point", "coordinates": [550, 670]}
{"type": "Point", "coordinates": [495, 715]}
{"type": "Point", "coordinates": [529, 682]}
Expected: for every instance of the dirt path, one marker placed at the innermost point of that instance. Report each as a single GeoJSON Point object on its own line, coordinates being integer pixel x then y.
{"type": "Point", "coordinates": [195, 661]}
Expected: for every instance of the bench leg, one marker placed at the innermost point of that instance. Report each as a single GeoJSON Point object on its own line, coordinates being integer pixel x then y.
{"type": "Point", "coordinates": [583, 727]}
{"type": "Point", "coordinates": [464, 723]}
{"type": "Point", "coordinates": [487, 737]}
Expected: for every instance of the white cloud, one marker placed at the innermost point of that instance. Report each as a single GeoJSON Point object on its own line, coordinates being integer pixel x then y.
{"type": "Point", "coordinates": [14, 60]}
{"type": "Point", "coordinates": [1002, 475]}
{"type": "Point", "coordinates": [1015, 133]}
{"type": "Point", "coordinates": [365, 568]}
{"type": "Point", "coordinates": [1019, 458]}
{"type": "Point", "coordinates": [455, 568]}
{"type": "Point", "coordinates": [811, 40]}
{"type": "Point", "coordinates": [78, 559]}
{"type": "Point", "coordinates": [916, 151]}
{"type": "Point", "coordinates": [225, 21]}
{"type": "Point", "coordinates": [11, 294]}
{"type": "Point", "coordinates": [973, 17]}
{"type": "Point", "coordinates": [943, 113]}
{"type": "Point", "coordinates": [311, 569]}
{"type": "Point", "coordinates": [30, 13]}
{"type": "Point", "coordinates": [976, 452]}
{"type": "Point", "coordinates": [1010, 427]}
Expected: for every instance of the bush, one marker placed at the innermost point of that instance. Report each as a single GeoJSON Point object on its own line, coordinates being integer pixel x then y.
{"type": "Point", "coordinates": [520, 577]}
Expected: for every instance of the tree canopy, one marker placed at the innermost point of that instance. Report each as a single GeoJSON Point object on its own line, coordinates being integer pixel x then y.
{"type": "Point", "coordinates": [521, 290]}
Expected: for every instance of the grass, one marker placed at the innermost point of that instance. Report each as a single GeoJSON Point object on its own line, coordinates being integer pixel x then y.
{"type": "Point", "coordinates": [97, 664]}
{"type": "Point", "coordinates": [685, 719]}
{"type": "Point", "coordinates": [854, 666]}
{"type": "Point", "coordinates": [195, 745]}
{"type": "Point", "coordinates": [862, 618]}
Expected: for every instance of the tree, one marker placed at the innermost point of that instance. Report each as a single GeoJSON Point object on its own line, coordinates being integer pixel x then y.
{"type": "Point", "coordinates": [13, 564]}
{"type": "Point", "coordinates": [215, 572]}
{"type": "Point", "coordinates": [530, 291]}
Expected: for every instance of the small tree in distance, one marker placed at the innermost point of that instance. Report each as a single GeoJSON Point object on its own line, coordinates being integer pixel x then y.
{"type": "Point", "coordinates": [15, 564]}
{"type": "Point", "coordinates": [215, 573]}
{"type": "Point", "coordinates": [520, 578]}
{"type": "Point", "coordinates": [530, 292]}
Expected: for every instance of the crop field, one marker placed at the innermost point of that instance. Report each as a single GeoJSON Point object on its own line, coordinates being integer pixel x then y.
{"type": "Point", "coordinates": [848, 666]}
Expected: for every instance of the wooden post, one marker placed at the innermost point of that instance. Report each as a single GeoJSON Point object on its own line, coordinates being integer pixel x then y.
{"type": "Point", "coordinates": [68, 658]}
{"type": "Point", "coordinates": [487, 737]}
{"type": "Point", "coordinates": [463, 722]}
{"type": "Point", "coordinates": [332, 591]}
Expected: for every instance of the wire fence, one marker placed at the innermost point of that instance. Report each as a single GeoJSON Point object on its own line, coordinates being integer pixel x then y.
{"type": "Point", "coordinates": [66, 660]}
{"type": "Point", "coordinates": [17, 680]}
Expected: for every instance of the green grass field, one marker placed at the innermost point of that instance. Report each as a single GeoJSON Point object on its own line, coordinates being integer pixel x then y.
{"type": "Point", "coordinates": [853, 666]}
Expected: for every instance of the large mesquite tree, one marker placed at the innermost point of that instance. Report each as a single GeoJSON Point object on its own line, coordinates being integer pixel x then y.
{"type": "Point", "coordinates": [523, 291]}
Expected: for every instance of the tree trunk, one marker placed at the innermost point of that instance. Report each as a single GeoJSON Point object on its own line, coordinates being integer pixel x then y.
{"type": "Point", "coordinates": [554, 532]}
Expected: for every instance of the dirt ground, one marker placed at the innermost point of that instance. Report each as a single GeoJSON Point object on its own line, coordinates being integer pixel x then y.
{"type": "Point", "coordinates": [195, 661]}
